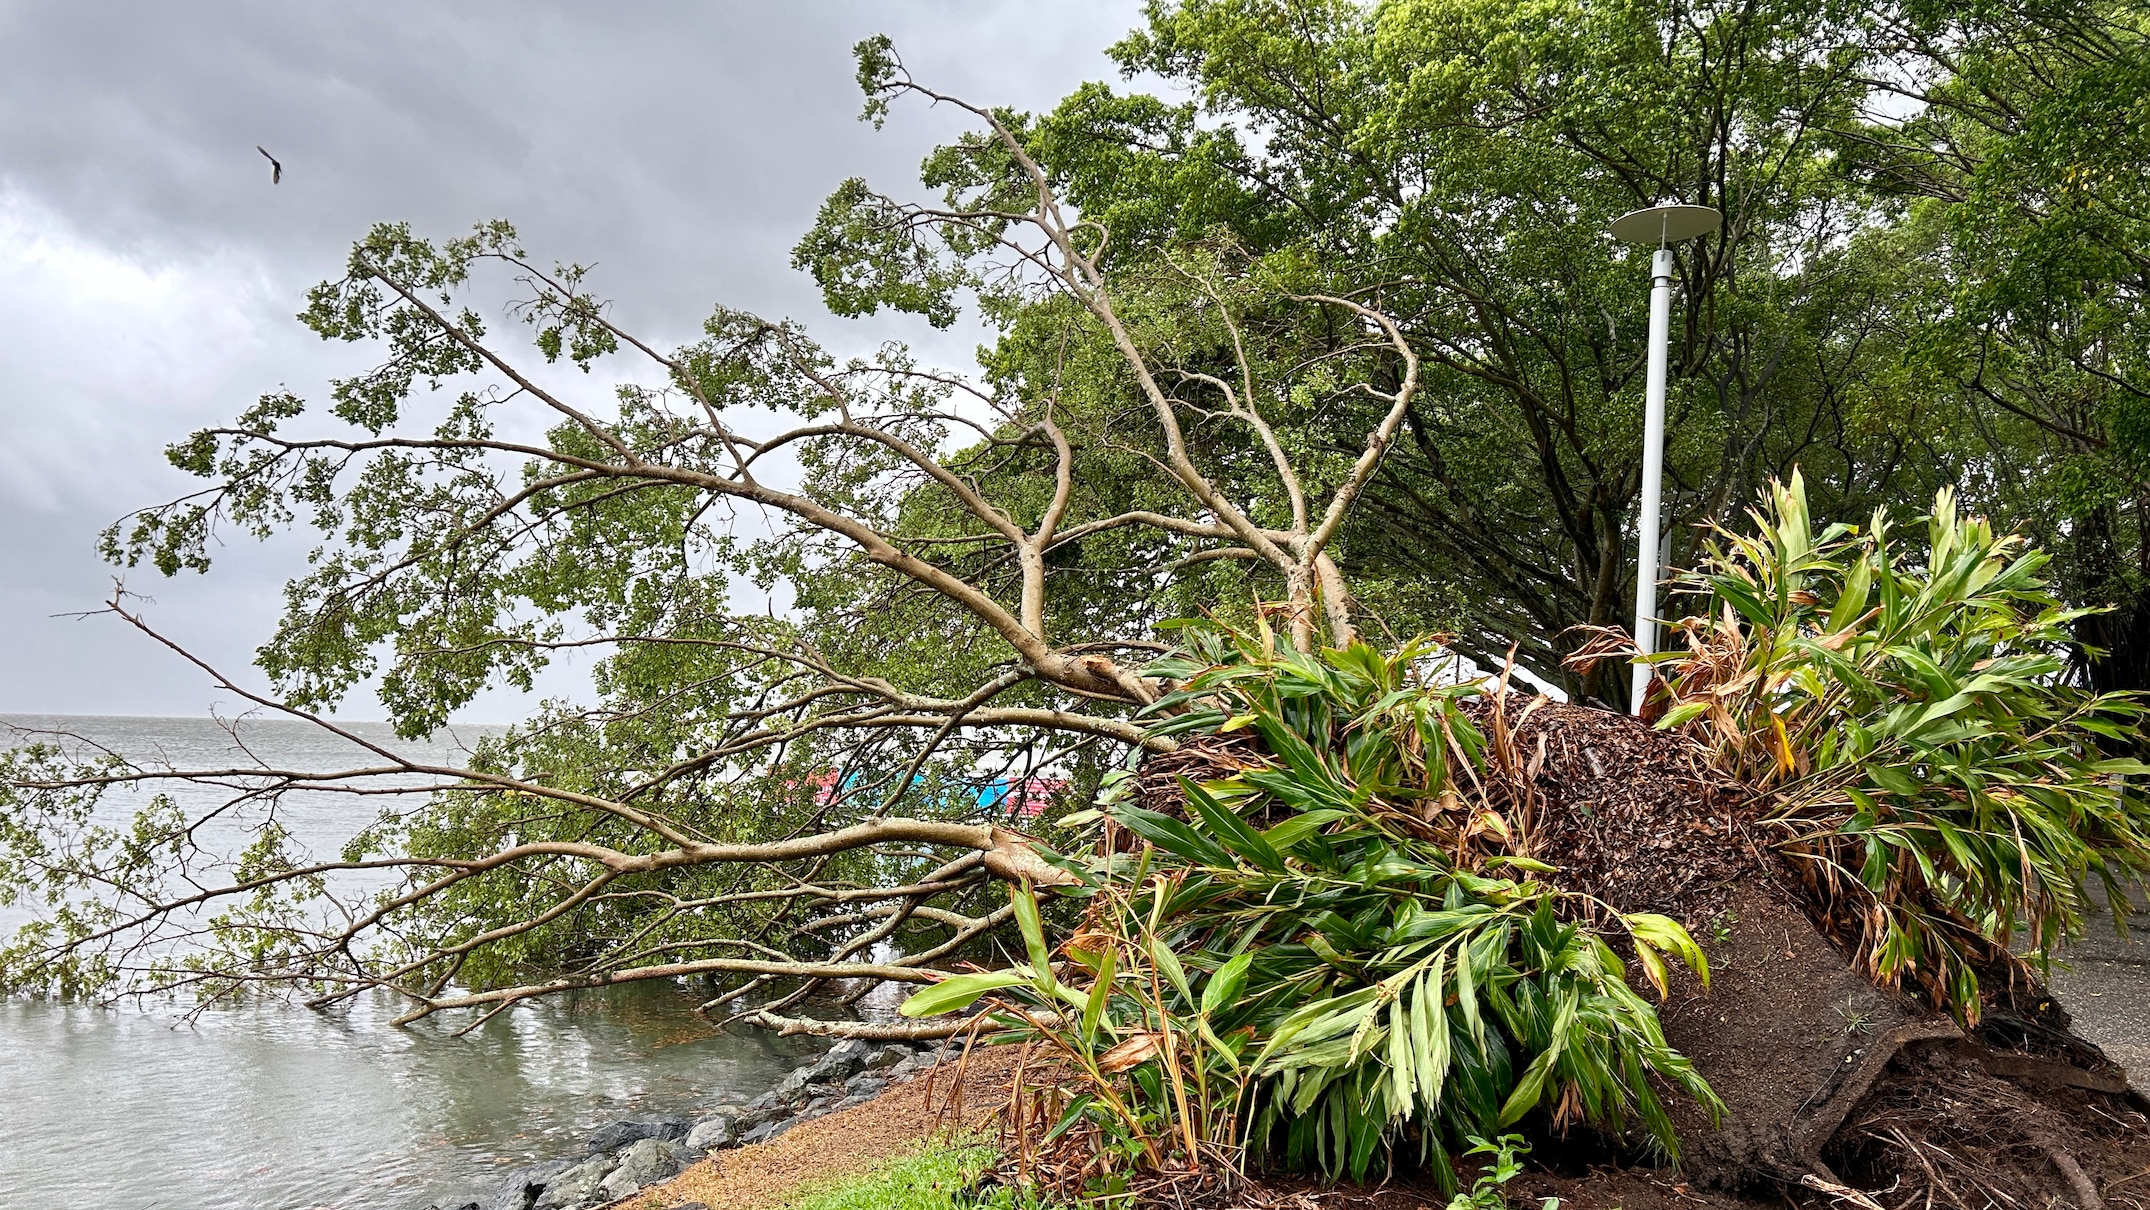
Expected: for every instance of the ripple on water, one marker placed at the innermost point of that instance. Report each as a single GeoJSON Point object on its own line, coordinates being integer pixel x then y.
{"type": "Point", "coordinates": [271, 1105]}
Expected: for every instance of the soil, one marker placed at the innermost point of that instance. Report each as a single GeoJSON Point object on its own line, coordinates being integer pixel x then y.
{"type": "Point", "coordinates": [1784, 1019]}
{"type": "Point", "coordinates": [1979, 1138]}
{"type": "Point", "coordinates": [770, 1175]}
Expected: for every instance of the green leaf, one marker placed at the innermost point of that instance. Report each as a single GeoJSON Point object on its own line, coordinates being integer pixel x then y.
{"type": "Point", "coordinates": [1100, 992]}
{"type": "Point", "coordinates": [958, 991]}
{"type": "Point", "coordinates": [1286, 835]}
{"type": "Point", "coordinates": [1168, 965]}
{"type": "Point", "coordinates": [1222, 990]}
{"type": "Point", "coordinates": [1173, 837]}
{"type": "Point", "coordinates": [1665, 933]}
{"type": "Point", "coordinates": [1071, 1116]}
{"type": "Point", "coordinates": [1685, 712]}
{"type": "Point", "coordinates": [1528, 1090]}
{"type": "Point", "coordinates": [1230, 829]}
{"type": "Point", "coordinates": [1025, 903]}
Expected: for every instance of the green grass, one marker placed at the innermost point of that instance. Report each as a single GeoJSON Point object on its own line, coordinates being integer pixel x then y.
{"type": "Point", "coordinates": [930, 1178]}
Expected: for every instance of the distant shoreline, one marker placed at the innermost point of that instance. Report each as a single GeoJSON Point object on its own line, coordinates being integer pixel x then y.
{"type": "Point", "coordinates": [250, 718]}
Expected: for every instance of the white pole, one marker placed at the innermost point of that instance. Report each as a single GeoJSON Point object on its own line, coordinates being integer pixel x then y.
{"type": "Point", "coordinates": [1653, 470]}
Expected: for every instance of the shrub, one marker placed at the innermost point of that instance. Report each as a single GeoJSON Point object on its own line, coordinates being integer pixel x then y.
{"type": "Point", "coordinates": [1358, 951]}
{"type": "Point", "coordinates": [1908, 710]}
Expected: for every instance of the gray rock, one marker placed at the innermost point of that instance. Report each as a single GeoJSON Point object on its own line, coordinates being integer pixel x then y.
{"type": "Point", "coordinates": [794, 1083]}
{"type": "Point", "coordinates": [643, 1162]}
{"type": "Point", "coordinates": [842, 1060]}
{"type": "Point", "coordinates": [710, 1134]}
{"type": "Point", "coordinates": [766, 1131]}
{"type": "Point", "coordinates": [748, 1118]}
{"type": "Point", "coordinates": [917, 1063]}
{"type": "Point", "coordinates": [620, 1134]}
{"type": "Point", "coordinates": [865, 1087]}
{"type": "Point", "coordinates": [578, 1186]}
{"type": "Point", "coordinates": [887, 1056]}
{"type": "Point", "coordinates": [767, 1100]}
{"type": "Point", "coordinates": [519, 1189]}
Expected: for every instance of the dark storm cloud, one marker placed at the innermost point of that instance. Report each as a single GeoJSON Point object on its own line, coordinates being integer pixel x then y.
{"type": "Point", "coordinates": [682, 144]}
{"type": "Point", "coordinates": [149, 268]}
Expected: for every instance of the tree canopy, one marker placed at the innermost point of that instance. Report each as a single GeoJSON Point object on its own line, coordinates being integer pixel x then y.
{"type": "Point", "coordinates": [1928, 275]}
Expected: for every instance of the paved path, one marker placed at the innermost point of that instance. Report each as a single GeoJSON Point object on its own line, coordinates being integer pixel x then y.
{"type": "Point", "coordinates": [2108, 990]}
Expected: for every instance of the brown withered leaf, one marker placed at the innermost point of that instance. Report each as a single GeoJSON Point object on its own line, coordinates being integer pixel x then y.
{"type": "Point", "coordinates": [1131, 1052]}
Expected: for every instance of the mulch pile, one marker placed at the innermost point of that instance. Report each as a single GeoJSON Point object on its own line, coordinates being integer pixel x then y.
{"type": "Point", "coordinates": [1631, 816]}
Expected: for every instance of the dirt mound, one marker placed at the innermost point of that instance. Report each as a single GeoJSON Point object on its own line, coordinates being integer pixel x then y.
{"type": "Point", "coordinates": [1837, 1092]}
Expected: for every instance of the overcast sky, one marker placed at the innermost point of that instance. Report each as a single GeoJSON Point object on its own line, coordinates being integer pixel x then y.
{"type": "Point", "coordinates": [149, 270]}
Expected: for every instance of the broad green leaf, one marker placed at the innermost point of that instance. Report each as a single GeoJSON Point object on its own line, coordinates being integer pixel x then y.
{"type": "Point", "coordinates": [1225, 984]}
{"type": "Point", "coordinates": [1685, 712]}
{"type": "Point", "coordinates": [1072, 1115]}
{"type": "Point", "coordinates": [1025, 902]}
{"type": "Point", "coordinates": [1230, 829]}
{"type": "Point", "coordinates": [1168, 965]}
{"type": "Point", "coordinates": [1093, 1009]}
{"type": "Point", "coordinates": [959, 991]}
{"type": "Point", "coordinates": [1173, 837]}
{"type": "Point", "coordinates": [1665, 933]}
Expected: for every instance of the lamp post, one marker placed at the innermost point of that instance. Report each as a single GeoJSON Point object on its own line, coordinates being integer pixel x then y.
{"type": "Point", "coordinates": [1664, 226]}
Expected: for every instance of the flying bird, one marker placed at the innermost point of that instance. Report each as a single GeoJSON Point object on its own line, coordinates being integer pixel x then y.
{"type": "Point", "coordinates": [276, 170]}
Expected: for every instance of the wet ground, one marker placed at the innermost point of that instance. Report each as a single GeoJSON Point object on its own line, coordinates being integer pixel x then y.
{"type": "Point", "coordinates": [2107, 989]}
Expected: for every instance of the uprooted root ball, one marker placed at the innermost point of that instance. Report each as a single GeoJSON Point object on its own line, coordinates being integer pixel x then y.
{"type": "Point", "coordinates": [1939, 1130]}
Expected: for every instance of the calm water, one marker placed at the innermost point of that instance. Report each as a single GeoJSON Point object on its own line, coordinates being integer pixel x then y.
{"type": "Point", "coordinates": [271, 1106]}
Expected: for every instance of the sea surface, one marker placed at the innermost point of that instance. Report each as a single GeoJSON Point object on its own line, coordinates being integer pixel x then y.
{"type": "Point", "coordinates": [270, 1106]}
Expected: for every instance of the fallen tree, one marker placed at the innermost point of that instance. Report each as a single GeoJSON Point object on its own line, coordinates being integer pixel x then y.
{"type": "Point", "coordinates": [962, 584]}
{"type": "Point", "coordinates": [1422, 905]}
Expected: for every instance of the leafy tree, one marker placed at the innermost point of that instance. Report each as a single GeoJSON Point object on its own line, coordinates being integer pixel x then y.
{"type": "Point", "coordinates": [2019, 170]}
{"type": "Point", "coordinates": [848, 611]}
{"type": "Point", "coordinates": [1461, 160]}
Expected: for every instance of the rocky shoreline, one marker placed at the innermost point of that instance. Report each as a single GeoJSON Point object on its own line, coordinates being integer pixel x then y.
{"type": "Point", "coordinates": [627, 1156]}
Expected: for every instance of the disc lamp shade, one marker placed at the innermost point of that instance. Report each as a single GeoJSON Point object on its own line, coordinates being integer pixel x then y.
{"type": "Point", "coordinates": [1669, 224]}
